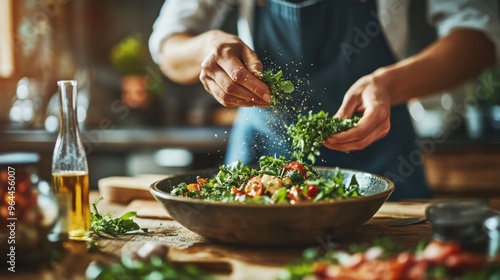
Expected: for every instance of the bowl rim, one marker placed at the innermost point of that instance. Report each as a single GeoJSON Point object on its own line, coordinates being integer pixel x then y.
{"type": "Point", "coordinates": [157, 193]}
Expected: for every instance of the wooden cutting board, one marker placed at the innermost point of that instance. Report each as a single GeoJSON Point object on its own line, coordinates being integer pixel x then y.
{"type": "Point", "coordinates": [147, 209]}
{"type": "Point", "coordinates": [121, 189]}
{"type": "Point", "coordinates": [402, 209]}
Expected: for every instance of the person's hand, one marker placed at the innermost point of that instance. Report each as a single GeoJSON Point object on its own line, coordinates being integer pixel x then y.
{"type": "Point", "coordinates": [373, 101]}
{"type": "Point", "coordinates": [231, 72]}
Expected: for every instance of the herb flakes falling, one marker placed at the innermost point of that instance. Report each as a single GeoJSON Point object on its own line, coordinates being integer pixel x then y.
{"type": "Point", "coordinates": [280, 87]}
{"type": "Point", "coordinates": [309, 132]}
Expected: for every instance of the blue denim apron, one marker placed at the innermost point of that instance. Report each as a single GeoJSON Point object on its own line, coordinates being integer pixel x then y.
{"type": "Point", "coordinates": [325, 46]}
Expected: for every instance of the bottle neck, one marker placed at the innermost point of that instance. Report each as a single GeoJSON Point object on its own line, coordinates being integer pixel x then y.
{"type": "Point", "coordinates": [69, 153]}
{"type": "Point", "coordinates": [68, 123]}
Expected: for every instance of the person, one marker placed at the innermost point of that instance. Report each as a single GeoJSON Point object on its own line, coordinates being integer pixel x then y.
{"type": "Point", "coordinates": [348, 57]}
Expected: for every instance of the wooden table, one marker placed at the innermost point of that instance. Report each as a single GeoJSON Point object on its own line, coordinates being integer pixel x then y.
{"type": "Point", "coordinates": [227, 262]}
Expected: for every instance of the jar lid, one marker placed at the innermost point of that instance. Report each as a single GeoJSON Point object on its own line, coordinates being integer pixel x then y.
{"type": "Point", "coordinates": [492, 223]}
{"type": "Point", "coordinates": [19, 158]}
{"type": "Point", "coordinates": [457, 211]}
{"type": "Point", "coordinates": [458, 220]}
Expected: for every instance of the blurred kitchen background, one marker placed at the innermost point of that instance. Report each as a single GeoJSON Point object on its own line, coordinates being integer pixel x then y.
{"type": "Point", "coordinates": [135, 121]}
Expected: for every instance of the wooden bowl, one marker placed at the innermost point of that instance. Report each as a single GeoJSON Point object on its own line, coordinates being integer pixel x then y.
{"type": "Point", "coordinates": [279, 224]}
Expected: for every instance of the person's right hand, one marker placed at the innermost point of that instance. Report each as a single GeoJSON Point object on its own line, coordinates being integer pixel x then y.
{"type": "Point", "coordinates": [231, 72]}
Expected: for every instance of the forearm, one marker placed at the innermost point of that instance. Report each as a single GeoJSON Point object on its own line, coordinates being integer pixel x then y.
{"type": "Point", "coordinates": [445, 64]}
{"type": "Point", "coordinates": [181, 57]}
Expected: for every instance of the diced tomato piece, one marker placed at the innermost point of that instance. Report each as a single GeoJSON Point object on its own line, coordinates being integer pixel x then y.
{"type": "Point", "coordinates": [320, 269]}
{"type": "Point", "coordinates": [296, 166]}
{"type": "Point", "coordinates": [254, 187]}
{"type": "Point", "coordinates": [355, 260]}
{"type": "Point", "coordinates": [437, 252]}
{"type": "Point", "coordinates": [236, 191]}
{"type": "Point", "coordinates": [399, 264]}
{"type": "Point", "coordinates": [193, 187]}
{"type": "Point", "coordinates": [417, 269]}
{"type": "Point", "coordinates": [201, 181]}
{"type": "Point", "coordinates": [312, 191]}
{"type": "Point", "coordinates": [197, 187]}
{"type": "Point", "coordinates": [464, 261]}
{"type": "Point", "coordinates": [294, 195]}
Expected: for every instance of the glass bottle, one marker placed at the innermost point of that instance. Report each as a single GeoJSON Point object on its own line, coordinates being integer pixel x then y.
{"type": "Point", "coordinates": [69, 164]}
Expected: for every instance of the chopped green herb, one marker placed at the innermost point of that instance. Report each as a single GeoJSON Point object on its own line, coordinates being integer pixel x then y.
{"type": "Point", "coordinates": [154, 268]}
{"type": "Point", "coordinates": [109, 225]}
{"type": "Point", "coordinates": [309, 132]}
{"type": "Point", "coordinates": [275, 181]}
{"type": "Point", "coordinates": [280, 87]}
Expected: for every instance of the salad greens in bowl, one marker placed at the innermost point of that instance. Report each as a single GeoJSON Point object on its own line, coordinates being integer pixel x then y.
{"type": "Point", "coordinates": [280, 202]}
{"type": "Point", "coordinates": [276, 180]}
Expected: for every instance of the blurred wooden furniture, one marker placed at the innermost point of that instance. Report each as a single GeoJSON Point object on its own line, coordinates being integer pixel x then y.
{"type": "Point", "coordinates": [464, 169]}
{"type": "Point", "coordinates": [109, 148]}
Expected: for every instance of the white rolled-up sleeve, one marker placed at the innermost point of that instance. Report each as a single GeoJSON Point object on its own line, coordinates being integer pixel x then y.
{"type": "Point", "coordinates": [186, 16]}
{"type": "Point", "coordinates": [480, 15]}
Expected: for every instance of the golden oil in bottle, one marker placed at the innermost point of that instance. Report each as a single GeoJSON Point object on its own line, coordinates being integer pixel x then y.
{"type": "Point", "coordinates": [75, 186]}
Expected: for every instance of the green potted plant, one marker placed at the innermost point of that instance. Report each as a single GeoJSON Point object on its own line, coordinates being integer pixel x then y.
{"type": "Point", "coordinates": [129, 57]}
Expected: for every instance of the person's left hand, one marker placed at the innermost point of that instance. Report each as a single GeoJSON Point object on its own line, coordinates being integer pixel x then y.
{"type": "Point", "coordinates": [373, 101]}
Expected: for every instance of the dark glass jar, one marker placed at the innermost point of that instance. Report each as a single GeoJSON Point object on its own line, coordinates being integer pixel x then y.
{"type": "Point", "coordinates": [27, 213]}
{"type": "Point", "coordinates": [460, 221]}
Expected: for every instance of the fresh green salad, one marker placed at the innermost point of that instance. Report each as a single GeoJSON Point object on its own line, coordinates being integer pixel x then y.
{"type": "Point", "coordinates": [276, 180]}
{"type": "Point", "coordinates": [309, 132]}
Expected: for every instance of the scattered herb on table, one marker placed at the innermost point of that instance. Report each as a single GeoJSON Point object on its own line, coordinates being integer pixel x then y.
{"type": "Point", "coordinates": [93, 247]}
{"type": "Point", "coordinates": [279, 86]}
{"type": "Point", "coordinates": [309, 132]}
{"type": "Point", "coordinates": [154, 267]}
{"type": "Point", "coordinates": [107, 224]}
